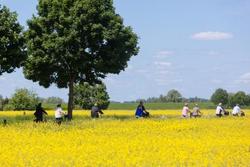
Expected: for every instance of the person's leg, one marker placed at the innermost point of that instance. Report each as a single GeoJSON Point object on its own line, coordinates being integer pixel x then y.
{"type": "Point", "coordinates": [218, 115]}
{"type": "Point", "coordinates": [92, 114]}
{"type": "Point", "coordinates": [38, 119]}
{"type": "Point", "coordinates": [59, 121]}
{"type": "Point", "coordinates": [66, 117]}
{"type": "Point", "coordinates": [145, 114]}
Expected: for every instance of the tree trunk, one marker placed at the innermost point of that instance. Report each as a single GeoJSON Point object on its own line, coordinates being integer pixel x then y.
{"type": "Point", "coordinates": [71, 99]}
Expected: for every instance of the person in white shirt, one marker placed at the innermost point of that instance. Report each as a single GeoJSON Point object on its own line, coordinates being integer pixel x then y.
{"type": "Point", "coordinates": [59, 114]}
{"type": "Point", "coordinates": [236, 110]}
{"type": "Point", "coordinates": [219, 110]}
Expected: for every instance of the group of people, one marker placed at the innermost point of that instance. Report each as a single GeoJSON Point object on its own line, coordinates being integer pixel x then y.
{"type": "Point", "coordinates": [195, 113]}
{"type": "Point", "coordinates": [59, 114]}
{"type": "Point", "coordinates": [220, 111]}
{"type": "Point", "coordinates": [140, 112]}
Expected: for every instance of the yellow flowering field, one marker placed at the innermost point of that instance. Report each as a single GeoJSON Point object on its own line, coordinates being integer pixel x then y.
{"type": "Point", "coordinates": [119, 139]}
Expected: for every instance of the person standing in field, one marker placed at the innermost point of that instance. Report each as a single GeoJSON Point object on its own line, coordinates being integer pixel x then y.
{"type": "Point", "coordinates": [39, 113]}
{"type": "Point", "coordinates": [219, 110]}
{"type": "Point", "coordinates": [59, 114]}
{"type": "Point", "coordinates": [185, 111]}
{"type": "Point", "coordinates": [141, 111]}
{"type": "Point", "coordinates": [196, 111]}
{"type": "Point", "coordinates": [96, 111]}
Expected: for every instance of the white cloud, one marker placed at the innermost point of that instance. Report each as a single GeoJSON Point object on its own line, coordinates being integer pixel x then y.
{"type": "Point", "coordinates": [164, 54]}
{"type": "Point", "coordinates": [213, 53]}
{"type": "Point", "coordinates": [216, 81]}
{"type": "Point", "coordinates": [164, 72]}
{"type": "Point", "coordinates": [162, 64]}
{"type": "Point", "coordinates": [164, 81]}
{"type": "Point", "coordinates": [2, 78]}
{"type": "Point", "coordinates": [245, 78]}
{"type": "Point", "coordinates": [130, 67]}
{"type": "Point", "coordinates": [141, 71]}
{"type": "Point", "coordinates": [212, 35]}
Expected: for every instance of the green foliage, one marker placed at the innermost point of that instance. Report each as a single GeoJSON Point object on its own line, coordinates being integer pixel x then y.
{"type": "Point", "coordinates": [220, 96]}
{"type": "Point", "coordinates": [53, 100]}
{"type": "Point", "coordinates": [12, 52]}
{"type": "Point", "coordinates": [23, 99]}
{"type": "Point", "coordinates": [86, 96]}
{"type": "Point", "coordinates": [238, 98]}
{"type": "Point", "coordinates": [248, 100]}
{"type": "Point", "coordinates": [8, 107]}
{"type": "Point", "coordinates": [4, 102]}
{"type": "Point", "coordinates": [159, 106]}
{"type": "Point", "coordinates": [174, 96]}
{"type": "Point", "coordinates": [1, 102]}
{"type": "Point", "coordinates": [77, 41]}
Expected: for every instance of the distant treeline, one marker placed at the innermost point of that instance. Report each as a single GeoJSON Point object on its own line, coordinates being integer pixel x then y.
{"type": "Point", "coordinates": [157, 106]}
{"type": "Point", "coordinates": [174, 100]}
{"type": "Point", "coordinates": [24, 99]}
{"type": "Point", "coordinates": [173, 96]}
{"type": "Point", "coordinates": [87, 96]}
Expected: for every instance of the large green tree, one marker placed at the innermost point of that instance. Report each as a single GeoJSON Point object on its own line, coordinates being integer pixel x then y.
{"type": "Point", "coordinates": [87, 95]}
{"type": "Point", "coordinates": [238, 98]}
{"type": "Point", "coordinates": [174, 96]}
{"type": "Point", "coordinates": [12, 52]}
{"type": "Point", "coordinates": [23, 99]}
{"type": "Point", "coordinates": [220, 96]}
{"type": "Point", "coordinates": [75, 41]}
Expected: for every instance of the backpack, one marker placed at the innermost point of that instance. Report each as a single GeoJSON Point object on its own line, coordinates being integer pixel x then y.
{"type": "Point", "coordinates": [139, 112]}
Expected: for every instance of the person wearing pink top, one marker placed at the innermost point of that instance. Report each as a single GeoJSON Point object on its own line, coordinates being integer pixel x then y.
{"type": "Point", "coordinates": [185, 110]}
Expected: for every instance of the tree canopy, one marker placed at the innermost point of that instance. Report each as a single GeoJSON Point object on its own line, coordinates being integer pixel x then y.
{"type": "Point", "coordinates": [220, 96]}
{"type": "Point", "coordinates": [12, 52]}
{"type": "Point", "coordinates": [174, 96]}
{"type": "Point", "coordinates": [24, 99]}
{"type": "Point", "coordinates": [239, 98]}
{"type": "Point", "coordinates": [75, 41]}
{"type": "Point", "coordinates": [87, 95]}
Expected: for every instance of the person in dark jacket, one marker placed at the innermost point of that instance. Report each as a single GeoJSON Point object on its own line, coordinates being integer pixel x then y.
{"type": "Point", "coordinates": [39, 113]}
{"type": "Point", "coordinates": [96, 111]}
{"type": "Point", "coordinates": [141, 111]}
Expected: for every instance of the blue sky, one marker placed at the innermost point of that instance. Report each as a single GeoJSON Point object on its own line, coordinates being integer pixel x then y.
{"type": "Point", "coordinates": [193, 46]}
